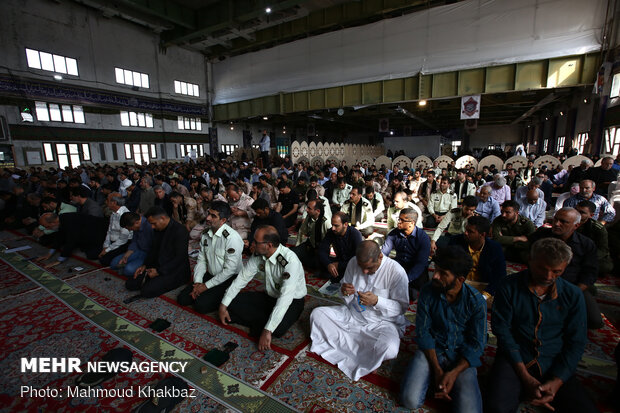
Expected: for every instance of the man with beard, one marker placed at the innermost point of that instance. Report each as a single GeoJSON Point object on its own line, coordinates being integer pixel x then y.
{"type": "Point", "coordinates": [219, 261]}
{"type": "Point", "coordinates": [343, 239]}
{"type": "Point", "coordinates": [359, 335]}
{"type": "Point", "coordinates": [539, 319]}
{"type": "Point", "coordinates": [451, 330]}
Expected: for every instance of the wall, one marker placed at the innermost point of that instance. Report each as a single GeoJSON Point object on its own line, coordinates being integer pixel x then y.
{"type": "Point", "coordinates": [489, 135]}
{"type": "Point", "coordinates": [414, 145]}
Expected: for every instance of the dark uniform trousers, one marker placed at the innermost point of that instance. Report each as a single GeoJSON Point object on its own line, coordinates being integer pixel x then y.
{"type": "Point", "coordinates": [109, 256]}
{"type": "Point", "coordinates": [504, 388]}
{"type": "Point", "coordinates": [252, 309]}
{"type": "Point", "coordinates": [209, 300]}
{"type": "Point", "coordinates": [153, 287]}
{"type": "Point", "coordinates": [306, 254]}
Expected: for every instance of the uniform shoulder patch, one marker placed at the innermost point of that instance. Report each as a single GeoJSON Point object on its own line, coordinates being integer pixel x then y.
{"type": "Point", "coordinates": [230, 250]}
{"type": "Point", "coordinates": [286, 276]}
{"type": "Point", "coordinates": [225, 233]}
{"type": "Point", "coordinates": [281, 260]}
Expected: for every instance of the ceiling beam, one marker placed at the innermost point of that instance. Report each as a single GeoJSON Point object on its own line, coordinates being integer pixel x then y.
{"type": "Point", "coordinates": [166, 10]}
{"type": "Point", "coordinates": [546, 100]}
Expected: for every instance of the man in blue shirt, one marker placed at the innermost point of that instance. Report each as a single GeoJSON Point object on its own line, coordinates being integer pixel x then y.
{"type": "Point", "coordinates": [138, 247]}
{"type": "Point", "coordinates": [540, 323]}
{"type": "Point", "coordinates": [451, 330]}
{"type": "Point", "coordinates": [488, 207]}
{"type": "Point", "coordinates": [412, 246]}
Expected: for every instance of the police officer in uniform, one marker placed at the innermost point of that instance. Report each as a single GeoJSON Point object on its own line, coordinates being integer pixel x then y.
{"type": "Point", "coordinates": [314, 226]}
{"type": "Point", "coordinates": [360, 211]}
{"type": "Point", "coordinates": [273, 311]}
{"type": "Point", "coordinates": [597, 232]}
{"type": "Point", "coordinates": [219, 261]}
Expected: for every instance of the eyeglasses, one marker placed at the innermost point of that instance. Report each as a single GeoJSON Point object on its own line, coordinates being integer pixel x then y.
{"type": "Point", "coordinates": [404, 220]}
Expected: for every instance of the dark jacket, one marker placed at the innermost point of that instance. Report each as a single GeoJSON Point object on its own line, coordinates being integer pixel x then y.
{"type": "Point", "coordinates": [550, 332]}
{"type": "Point", "coordinates": [344, 247]}
{"type": "Point", "coordinates": [169, 252]}
{"type": "Point", "coordinates": [275, 220]}
{"type": "Point", "coordinates": [412, 252]}
{"type": "Point", "coordinates": [492, 264]}
{"type": "Point", "coordinates": [80, 231]}
{"type": "Point", "coordinates": [91, 207]}
{"type": "Point", "coordinates": [583, 268]}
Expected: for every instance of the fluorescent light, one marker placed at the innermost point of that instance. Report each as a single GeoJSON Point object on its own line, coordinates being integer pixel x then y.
{"type": "Point", "coordinates": [422, 103]}
{"type": "Point", "coordinates": [57, 77]}
{"type": "Point", "coordinates": [265, 118]}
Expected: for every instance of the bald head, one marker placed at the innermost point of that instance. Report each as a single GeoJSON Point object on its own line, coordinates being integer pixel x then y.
{"type": "Point", "coordinates": [367, 251]}
{"type": "Point", "coordinates": [532, 196]}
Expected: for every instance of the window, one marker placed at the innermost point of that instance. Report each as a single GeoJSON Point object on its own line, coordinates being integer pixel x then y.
{"type": "Point", "coordinates": [615, 86]}
{"type": "Point", "coordinates": [153, 151]}
{"type": "Point", "coordinates": [48, 152]}
{"type": "Point", "coordinates": [228, 149]}
{"type": "Point", "coordinates": [102, 152]}
{"type": "Point", "coordinates": [612, 141]}
{"type": "Point", "coordinates": [86, 152]}
{"type": "Point", "coordinates": [187, 149]}
{"type": "Point", "coordinates": [189, 123]}
{"type": "Point", "coordinates": [545, 145]}
{"type": "Point", "coordinates": [54, 112]}
{"type": "Point", "coordinates": [114, 152]}
{"type": "Point", "coordinates": [127, 77]}
{"type": "Point", "coordinates": [141, 153]}
{"type": "Point", "coordinates": [128, 154]}
{"type": "Point", "coordinates": [51, 62]}
{"type": "Point", "coordinates": [139, 119]}
{"type": "Point", "coordinates": [560, 145]}
{"type": "Point", "coordinates": [455, 146]}
{"type": "Point", "coordinates": [161, 151]}
{"type": "Point", "coordinates": [68, 155]}
{"type": "Point", "coordinates": [580, 142]}
{"type": "Point", "coordinates": [184, 88]}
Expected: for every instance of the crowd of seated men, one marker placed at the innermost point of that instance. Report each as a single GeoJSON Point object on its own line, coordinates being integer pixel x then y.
{"type": "Point", "coordinates": [140, 221]}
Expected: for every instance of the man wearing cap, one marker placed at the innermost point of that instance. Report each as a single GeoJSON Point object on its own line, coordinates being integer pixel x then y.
{"type": "Point", "coordinates": [361, 334]}
{"type": "Point", "coordinates": [273, 311]}
{"type": "Point", "coordinates": [219, 261]}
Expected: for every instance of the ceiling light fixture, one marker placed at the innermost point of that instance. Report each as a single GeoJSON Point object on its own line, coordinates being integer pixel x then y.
{"type": "Point", "coordinates": [561, 113]}
{"type": "Point", "coordinates": [268, 10]}
{"type": "Point", "coordinates": [422, 103]}
{"type": "Point", "coordinates": [57, 77]}
{"type": "Point", "coordinates": [265, 118]}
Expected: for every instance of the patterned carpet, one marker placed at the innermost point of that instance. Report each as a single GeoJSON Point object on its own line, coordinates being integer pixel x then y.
{"type": "Point", "coordinates": [36, 322]}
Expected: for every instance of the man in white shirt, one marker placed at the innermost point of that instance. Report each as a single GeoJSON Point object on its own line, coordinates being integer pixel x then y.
{"type": "Point", "coordinates": [219, 261]}
{"type": "Point", "coordinates": [265, 144]}
{"type": "Point", "coordinates": [341, 193]}
{"type": "Point", "coordinates": [359, 335]}
{"type": "Point", "coordinates": [117, 238]}
{"type": "Point", "coordinates": [273, 311]}
{"type": "Point", "coordinates": [360, 211]}
{"type": "Point", "coordinates": [533, 207]}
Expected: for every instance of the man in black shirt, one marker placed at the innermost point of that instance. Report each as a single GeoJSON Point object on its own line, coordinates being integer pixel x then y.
{"type": "Point", "coordinates": [267, 216]}
{"type": "Point", "coordinates": [344, 239]}
{"type": "Point", "coordinates": [288, 204]}
{"type": "Point", "coordinates": [583, 267]}
{"type": "Point", "coordinates": [166, 266]}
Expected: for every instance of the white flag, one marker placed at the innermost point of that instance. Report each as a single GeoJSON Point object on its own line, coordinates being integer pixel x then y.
{"type": "Point", "coordinates": [470, 107]}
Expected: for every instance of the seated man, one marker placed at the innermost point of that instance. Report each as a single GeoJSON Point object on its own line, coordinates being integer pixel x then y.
{"type": "Point", "coordinates": [604, 212]}
{"type": "Point", "coordinates": [343, 239]}
{"type": "Point", "coordinates": [166, 265]}
{"type": "Point", "coordinates": [139, 247]}
{"type": "Point", "coordinates": [511, 230]}
{"type": "Point", "coordinates": [360, 211]}
{"type": "Point", "coordinates": [273, 311]}
{"type": "Point", "coordinates": [266, 216]}
{"type": "Point", "coordinates": [117, 237]}
{"type": "Point", "coordinates": [539, 319]}
{"type": "Point", "coordinates": [597, 233]}
{"type": "Point", "coordinates": [489, 266]}
{"type": "Point", "coordinates": [219, 261]}
{"type": "Point", "coordinates": [288, 204]}
{"type": "Point", "coordinates": [533, 207]}
{"type": "Point", "coordinates": [340, 194]}
{"type": "Point", "coordinates": [451, 332]}
{"type": "Point", "coordinates": [75, 230]}
{"type": "Point", "coordinates": [359, 335]}
{"type": "Point", "coordinates": [412, 247]}
{"type": "Point", "coordinates": [241, 207]}
{"type": "Point", "coordinates": [499, 190]}
{"type": "Point", "coordinates": [401, 202]}
{"type": "Point", "coordinates": [440, 203]}
{"type": "Point", "coordinates": [313, 228]}
{"type": "Point", "coordinates": [533, 185]}
{"type": "Point", "coordinates": [582, 269]}
{"type": "Point", "coordinates": [453, 223]}
{"type": "Point", "coordinates": [487, 206]}
{"type": "Point", "coordinates": [80, 197]}
{"type": "Point", "coordinates": [376, 202]}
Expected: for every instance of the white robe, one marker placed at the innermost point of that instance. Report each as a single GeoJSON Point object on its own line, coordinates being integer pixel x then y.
{"type": "Point", "coordinates": [358, 342]}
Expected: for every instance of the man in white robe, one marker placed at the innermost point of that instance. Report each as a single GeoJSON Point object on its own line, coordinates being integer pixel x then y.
{"type": "Point", "coordinates": [358, 336]}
